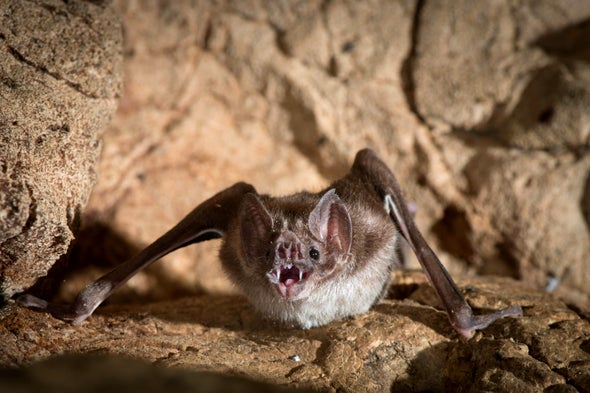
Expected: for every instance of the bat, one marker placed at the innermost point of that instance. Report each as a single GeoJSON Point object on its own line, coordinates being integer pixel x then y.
{"type": "Point", "coordinates": [305, 259]}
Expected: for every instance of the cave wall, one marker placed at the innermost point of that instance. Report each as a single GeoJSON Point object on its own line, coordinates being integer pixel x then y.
{"type": "Point", "coordinates": [482, 112]}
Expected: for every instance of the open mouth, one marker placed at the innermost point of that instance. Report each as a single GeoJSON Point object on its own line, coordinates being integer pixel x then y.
{"type": "Point", "coordinates": [286, 276]}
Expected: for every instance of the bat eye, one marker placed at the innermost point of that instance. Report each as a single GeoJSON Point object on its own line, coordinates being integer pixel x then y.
{"type": "Point", "coordinates": [314, 253]}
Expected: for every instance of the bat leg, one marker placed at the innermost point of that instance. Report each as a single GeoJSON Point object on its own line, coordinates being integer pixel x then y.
{"type": "Point", "coordinates": [379, 179]}
{"type": "Point", "coordinates": [207, 221]}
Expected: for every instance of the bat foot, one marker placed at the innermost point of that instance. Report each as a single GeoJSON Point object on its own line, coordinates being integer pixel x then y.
{"type": "Point", "coordinates": [67, 313]}
{"type": "Point", "coordinates": [84, 305]}
{"type": "Point", "coordinates": [33, 302]}
{"type": "Point", "coordinates": [479, 322]}
{"type": "Point", "coordinates": [58, 311]}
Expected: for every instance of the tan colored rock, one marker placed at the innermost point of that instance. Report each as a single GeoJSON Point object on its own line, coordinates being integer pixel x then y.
{"type": "Point", "coordinates": [400, 345]}
{"type": "Point", "coordinates": [507, 98]}
{"type": "Point", "coordinates": [484, 124]}
{"type": "Point", "coordinates": [59, 82]}
{"type": "Point", "coordinates": [482, 112]}
{"type": "Point", "coordinates": [232, 108]}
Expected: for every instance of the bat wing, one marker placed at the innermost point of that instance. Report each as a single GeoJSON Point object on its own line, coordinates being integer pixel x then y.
{"type": "Point", "coordinates": [209, 220]}
{"type": "Point", "coordinates": [370, 169]}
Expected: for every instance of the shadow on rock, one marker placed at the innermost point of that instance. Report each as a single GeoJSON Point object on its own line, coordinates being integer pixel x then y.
{"type": "Point", "coordinates": [98, 249]}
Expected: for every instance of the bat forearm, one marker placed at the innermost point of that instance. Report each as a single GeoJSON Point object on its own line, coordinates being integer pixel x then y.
{"type": "Point", "coordinates": [209, 220]}
{"type": "Point", "coordinates": [458, 310]}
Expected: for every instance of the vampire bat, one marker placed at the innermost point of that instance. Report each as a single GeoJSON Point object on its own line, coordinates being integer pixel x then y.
{"type": "Point", "coordinates": [305, 259]}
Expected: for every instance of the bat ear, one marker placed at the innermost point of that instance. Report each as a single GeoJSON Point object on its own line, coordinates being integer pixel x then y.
{"type": "Point", "coordinates": [330, 222]}
{"type": "Point", "coordinates": [255, 225]}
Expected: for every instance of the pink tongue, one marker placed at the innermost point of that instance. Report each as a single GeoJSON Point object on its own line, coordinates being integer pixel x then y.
{"type": "Point", "coordinates": [289, 276]}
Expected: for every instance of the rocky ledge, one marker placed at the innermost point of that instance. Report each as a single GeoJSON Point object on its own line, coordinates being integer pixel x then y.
{"type": "Point", "coordinates": [405, 343]}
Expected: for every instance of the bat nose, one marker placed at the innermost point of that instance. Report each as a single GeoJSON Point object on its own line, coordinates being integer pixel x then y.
{"type": "Point", "coordinates": [288, 247]}
{"type": "Point", "coordinates": [289, 250]}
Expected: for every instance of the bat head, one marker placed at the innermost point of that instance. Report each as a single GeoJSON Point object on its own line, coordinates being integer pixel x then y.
{"type": "Point", "coordinates": [295, 254]}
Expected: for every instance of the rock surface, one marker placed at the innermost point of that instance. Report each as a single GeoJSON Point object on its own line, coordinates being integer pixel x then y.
{"type": "Point", "coordinates": [485, 124]}
{"type": "Point", "coordinates": [482, 112]}
{"type": "Point", "coordinates": [400, 345]}
{"type": "Point", "coordinates": [59, 81]}
{"type": "Point", "coordinates": [507, 101]}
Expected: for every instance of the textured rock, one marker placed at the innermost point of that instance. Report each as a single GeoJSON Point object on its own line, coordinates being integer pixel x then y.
{"type": "Point", "coordinates": [400, 345]}
{"type": "Point", "coordinates": [59, 80]}
{"type": "Point", "coordinates": [482, 112]}
{"type": "Point", "coordinates": [508, 98]}
{"type": "Point", "coordinates": [484, 123]}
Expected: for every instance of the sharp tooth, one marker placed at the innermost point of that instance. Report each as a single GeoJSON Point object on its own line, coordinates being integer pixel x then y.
{"type": "Point", "coordinates": [300, 275]}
